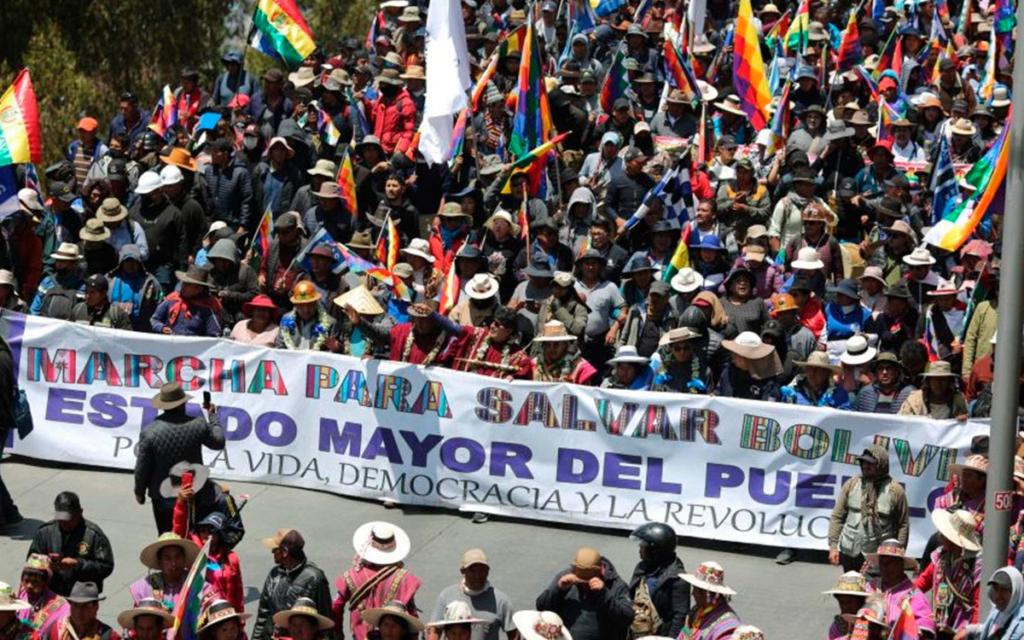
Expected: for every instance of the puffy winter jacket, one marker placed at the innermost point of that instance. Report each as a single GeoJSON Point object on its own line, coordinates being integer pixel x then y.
{"type": "Point", "coordinates": [393, 121]}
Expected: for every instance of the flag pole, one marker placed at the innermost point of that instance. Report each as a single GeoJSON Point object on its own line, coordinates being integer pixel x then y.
{"type": "Point", "coordinates": [1005, 389]}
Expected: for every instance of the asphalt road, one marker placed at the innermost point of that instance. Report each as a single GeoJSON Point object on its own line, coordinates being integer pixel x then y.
{"type": "Point", "coordinates": [786, 602]}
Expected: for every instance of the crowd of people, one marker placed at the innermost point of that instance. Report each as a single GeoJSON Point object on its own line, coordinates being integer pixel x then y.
{"type": "Point", "coordinates": [882, 588]}
{"type": "Point", "coordinates": [806, 279]}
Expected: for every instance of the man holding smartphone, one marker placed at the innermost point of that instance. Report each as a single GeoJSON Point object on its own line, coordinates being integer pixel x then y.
{"type": "Point", "coordinates": [174, 436]}
{"type": "Point", "coordinates": [79, 551]}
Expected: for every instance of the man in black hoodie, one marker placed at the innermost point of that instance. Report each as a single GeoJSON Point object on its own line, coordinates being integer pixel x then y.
{"type": "Point", "coordinates": [660, 598]}
{"type": "Point", "coordinates": [590, 597]}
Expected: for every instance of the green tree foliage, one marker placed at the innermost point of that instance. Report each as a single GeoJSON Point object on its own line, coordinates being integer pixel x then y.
{"type": "Point", "coordinates": [84, 53]}
{"type": "Point", "coordinates": [63, 92]}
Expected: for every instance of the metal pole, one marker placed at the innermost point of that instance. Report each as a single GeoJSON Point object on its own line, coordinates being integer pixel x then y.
{"type": "Point", "coordinates": [1003, 443]}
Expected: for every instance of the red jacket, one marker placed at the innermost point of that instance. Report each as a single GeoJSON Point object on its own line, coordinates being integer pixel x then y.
{"type": "Point", "coordinates": [30, 258]}
{"type": "Point", "coordinates": [393, 121]}
{"type": "Point", "coordinates": [226, 579]}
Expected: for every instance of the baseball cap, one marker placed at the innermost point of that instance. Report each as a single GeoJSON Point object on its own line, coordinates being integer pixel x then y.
{"type": "Point", "coordinates": [66, 506]}
{"type": "Point", "coordinates": [474, 556]}
{"type": "Point", "coordinates": [98, 281]}
{"type": "Point", "coordinates": [88, 124]}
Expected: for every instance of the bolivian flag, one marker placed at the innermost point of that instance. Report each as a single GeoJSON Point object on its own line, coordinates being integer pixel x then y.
{"type": "Point", "coordinates": [280, 31]}
{"type": "Point", "coordinates": [21, 139]}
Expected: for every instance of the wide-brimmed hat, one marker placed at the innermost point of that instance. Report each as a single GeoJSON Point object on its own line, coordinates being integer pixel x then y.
{"type": "Point", "coordinates": [94, 231]}
{"type": "Point", "coordinates": [1000, 97]}
{"type": "Point", "coordinates": [149, 557]}
{"type": "Point", "coordinates": [391, 76]}
{"type": "Point", "coordinates": [457, 612]}
{"type": "Point", "coordinates": [83, 592]}
{"type": "Point", "coordinates": [413, 72]}
{"type": "Point", "coordinates": [302, 77]}
{"type": "Point", "coordinates": [747, 632]}
{"type": "Point", "coordinates": [540, 625]}
{"type": "Point", "coordinates": [846, 287]}
{"type": "Point", "coordinates": [361, 300]}
{"type": "Point", "coordinates": [172, 483]}
{"type": "Point", "coordinates": [749, 345]}
{"type": "Point", "coordinates": [873, 611]}
{"type": "Point", "coordinates": [938, 369]}
{"type": "Point", "coordinates": [261, 301]}
{"type": "Point", "coordinates": [361, 240]}
{"type": "Point", "coordinates": [278, 140]}
{"type": "Point", "coordinates": [111, 210]}
{"type": "Point", "coordinates": [329, 189]}
{"type": "Point", "coordinates": [539, 268]}
{"type": "Point", "coordinates": [858, 351]}
{"type": "Point", "coordinates": [959, 527]}
{"type": "Point", "coordinates": [898, 290]}
{"type": "Point", "coordinates": [808, 258]}
{"type": "Point", "coordinates": [837, 130]}
{"type": "Point", "coordinates": [145, 607]}
{"type": "Point", "coordinates": [893, 549]}
{"type": "Point", "coordinates": [708, 93]}
{"type": "Point", "coordinates": [873, 273]}
{"type": "Point", "coordinates": [67, 251]}
{"type": "Point", "coordinates": [181, 158]}
{"type": "Point", "coordinates": [860, 118]}
{"type": "Point", "coordinates": [381, 543]}
{"type": "Point", "coordinates": [851, 583]}
{"type": "Point", "coordinates": [820, 360]}
{"type": "Point", "coordinates": [919, 257]}
{"type": "Point", "coordinates": [554, 331]}
{"type": "Point", "coordinates": [325, 168]}
{"type": "Point", "coordinates": [420, 248]}
{"type": "Point", "coordinates": [303, 607]}
{"type": "Point", "coordinates": [681, 334]}
{"type": "Point", "coordinates": [373, 616]}
{"type": "Point", "coordinates": [975, 462]}
{"type": "Point", "coordinates": [899, 226]}
{"type": "Point", "coordinates": [963, 127]}
{"type": "Point", "coordinates": [221, 611]}
{"type": "Point", "coordinates": [482, 287]}
{"type": "Point", "coordinates": [945, 287]}
{"type": "Point", "coordinates": [627, 354]}
{"type": "Point", "coordinates": [816, 212]}
{"type": "Point", "coordinates": [687, 280]}
{"type": "Point", "coordinates": [502, 215]}
{"type": "Point", "coordinates": [194, 275]}
{"type": "Point", "coordinates": [731, 104]}
{"type": "Point", "coordinates": [453, 210]}
{"type": "Point", "coordinates": [709, 576]}
{"type": "Point", "coordinates": [171, 395]}
{"type": "Point", "coordinates": [9, 601]}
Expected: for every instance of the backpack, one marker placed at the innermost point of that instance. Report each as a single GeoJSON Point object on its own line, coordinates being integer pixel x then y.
{"type": "Point", "coordinates": [59, 302]}
{"type": "Point", "coordinates": [646, 620]}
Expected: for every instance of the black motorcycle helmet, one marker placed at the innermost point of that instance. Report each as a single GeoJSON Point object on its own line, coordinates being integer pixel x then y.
{"type": "Point", "coordinates": [657, 542]}
{"type": "Point", "coordinates": [151, 142]}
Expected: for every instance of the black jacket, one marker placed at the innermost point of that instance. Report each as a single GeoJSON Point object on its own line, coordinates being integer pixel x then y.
{"type": "Point", "coordinates": [165, 233]}
{"type": "Point", "coordinates": [283, 587]}
{"type": "Point", "coordinates": [171, 438]}
{"type": "Point", "coordinates": [291, 179]}
{"type": "Point", "coordinates": [8, 387]}
{"type": "Point", "coordinates": [239, 285]}
{"type": "Point", "coordinates": [604, 615]}
{"type": "Point", "coordinates": [229, 196]}
{"type": "Point", "coordinates": [669, 593]}
{"type": "Point", "coordinates": [87, 543]}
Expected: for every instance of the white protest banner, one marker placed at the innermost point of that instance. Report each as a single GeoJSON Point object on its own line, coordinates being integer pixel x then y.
{"type": "Point", "coordinates": [712, 468]}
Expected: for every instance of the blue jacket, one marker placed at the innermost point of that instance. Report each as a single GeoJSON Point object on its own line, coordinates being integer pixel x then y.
{"type": "Point", "coordinates": [841, 326]}
{"type": "Point", "coordinates": [1014, 630]}
{"type": "Point", "coordinates": [835, 397]}
{"type": "Point", "coordinates": [117, 126]}
{"type": "Point", "coordinates": [97, 153]}
{"type": "Point", "coordinates": [49, 282]}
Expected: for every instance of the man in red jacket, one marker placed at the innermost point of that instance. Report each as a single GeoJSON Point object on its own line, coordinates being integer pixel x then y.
{"type": "Point", "coordinates": [393, 114]}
